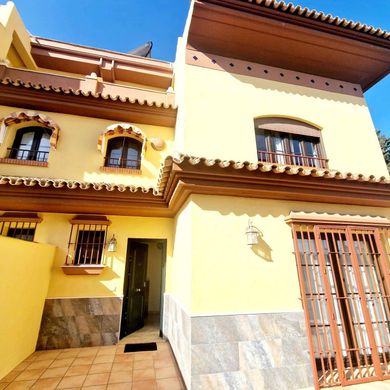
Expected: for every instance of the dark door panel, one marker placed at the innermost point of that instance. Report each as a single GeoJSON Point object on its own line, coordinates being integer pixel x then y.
{"type": "Point", "coordinates": [134, 288]}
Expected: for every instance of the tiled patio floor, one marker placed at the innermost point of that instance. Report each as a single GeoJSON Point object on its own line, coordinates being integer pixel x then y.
{"type": "Point", "coordinates": [99, 368]}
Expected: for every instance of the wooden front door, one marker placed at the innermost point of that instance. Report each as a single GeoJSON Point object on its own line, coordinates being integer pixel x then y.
{"type": "Point", "coordinates": [134, 288]}
{"type": "Point", "coordinates": [344, 275]}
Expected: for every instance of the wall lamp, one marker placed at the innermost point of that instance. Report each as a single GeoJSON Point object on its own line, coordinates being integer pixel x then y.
{"type": "Point", "coordinates": [112, 244]}
{"type": "Point", "coordinates": [252, 234]}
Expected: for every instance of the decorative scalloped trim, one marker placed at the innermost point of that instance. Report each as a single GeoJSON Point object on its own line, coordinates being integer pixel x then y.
{"type": "Point", "coordinates": [322, 17]}
{"type": "Point", "coordinates": [79, 92]}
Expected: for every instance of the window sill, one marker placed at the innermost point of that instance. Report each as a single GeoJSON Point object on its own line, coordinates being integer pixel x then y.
{"type": "Point", "coordinates": [31, 163]}
{"type": "Point", "coordinates": [82, 269]}
{"type": "Point", "coordinates": [129, 171]}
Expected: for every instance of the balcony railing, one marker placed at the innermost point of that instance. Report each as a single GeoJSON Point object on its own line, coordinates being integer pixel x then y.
{"type": "Point", "coordinates": [292, 159]}
{"type": "Point", "coordinates": [27, 154]}
{"type": "Point", "coordinates": [122, 163]}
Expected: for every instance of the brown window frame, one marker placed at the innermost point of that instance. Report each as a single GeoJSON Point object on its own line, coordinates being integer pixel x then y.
{"type": "Point", "coordinates": [87, 232]}
{"type": "Point", "coordinates": [288, 131]}
{"type": "Point", "coordinates": [20, 226]}
{"type": "Point", "coordinates": [122, 162]}
{"type": "Point", "coordinates": [341, 269]}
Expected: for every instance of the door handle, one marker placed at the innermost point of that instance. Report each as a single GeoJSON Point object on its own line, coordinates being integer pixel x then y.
{"type": "Point", "coordinates": [137, 290]}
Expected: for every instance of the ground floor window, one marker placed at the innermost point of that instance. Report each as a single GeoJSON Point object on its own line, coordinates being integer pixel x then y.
{"type": "Point", "coordinates": [19, 225]}
{"type": "Point", "coordinates": [87, 240]}
{"type": "Point", "coordinates": [344, 278]}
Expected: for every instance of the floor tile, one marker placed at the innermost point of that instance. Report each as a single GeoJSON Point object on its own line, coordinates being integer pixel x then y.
{"type": "Point", "coordinates": [120, 376]}
{"type": "Point", "coordinates": [169, 384]}
{"type": "Point", "coordinates": [46, 384]}
{"type": "Point", "coordinates": [145, 385]}
{"type": "Point", "coordinates": [10, 376]}
{"type": "Point", "coordinates": [45, 355]}
{"type": "Point", "coordinates": [166, 372]}
{"type": "Point", "coordinates": [144, 355]}
{"type": "Point", "coordinates": [104, 359]}
{"type": "Point", "coordinates": [68, 354]}
{"type": "Point", "coordinates": [22, 366]}
{"type": "Point", "coordinates": [82, 361]}
{"type": "Point", "coordinates": [142, 375]}
{"type": "Point", "coordinates": [88, 352]}
{"type": "Point", "coordinates": [124, 358]}
{"type": "Point", "coordinates": [70, 382]}
{"type": "Point", "coordinates": [40, 364]}
{"type": "Point", "coordinates": [107, 351]}
{"type": "Point", "coordinates": [121, 386]}
{"type": "Point", "coordinates": [96, 379]}
{"type": "Point", "coordinates": [78, 370]}
{"type": "Point", "coordinates": [99, 368]}
{"type": "Point", "coordinates": [22, 385]}
{"type": "Point", "coordinates": [62, 363]}
{"type": "Point", "coordinates": [140, 364]}
{"type": "Point", "coordinates": [158, 363]}
{"type": "Point", "coordinates": [54, 372]}
{"type": "Point", "coordinates": [122, 366]}
{"type": "Point", "coordinates": [29, 374]}
{"type": "Point", "coordinates": [96, 387]}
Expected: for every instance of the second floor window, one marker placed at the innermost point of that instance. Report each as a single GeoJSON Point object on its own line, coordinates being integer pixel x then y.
{"type": "Point", "coordinates": [31, 143]}
{"type": "Point", "coordinates": [290, 142]}
{"type": "Point", "coordinates": [123, 152]}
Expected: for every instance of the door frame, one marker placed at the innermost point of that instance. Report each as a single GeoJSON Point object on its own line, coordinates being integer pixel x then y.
{"type": "Point", "coordinates": [163, 241]}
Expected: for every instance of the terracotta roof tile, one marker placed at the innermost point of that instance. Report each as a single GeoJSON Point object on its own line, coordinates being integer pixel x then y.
{"type": "Point", "coordinates": [88, 86]}
{"type": "Point", "coordinates": [298, 10]}
{"type": "Point", "coordinates": [279, 169]}
{"type": "Point", "coordinates": [71, 184]}
{"type": "Point", "coordinates": [180, 159]}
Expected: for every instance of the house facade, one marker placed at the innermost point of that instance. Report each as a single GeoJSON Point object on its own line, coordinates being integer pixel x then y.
{"type": "Point", "coordinates": [240, 193]}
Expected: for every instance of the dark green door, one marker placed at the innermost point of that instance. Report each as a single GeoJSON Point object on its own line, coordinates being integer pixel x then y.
{"type": "Point", "coordinates": [134, 288]}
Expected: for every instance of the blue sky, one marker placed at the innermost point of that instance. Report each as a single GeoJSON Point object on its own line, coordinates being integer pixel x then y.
{"type": "Point", "coordinates": [125, 24]}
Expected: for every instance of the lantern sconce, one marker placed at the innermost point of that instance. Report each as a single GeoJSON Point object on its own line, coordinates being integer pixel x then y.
{"type": "Point", "coordinates": [112, 244]}
{"type": "Point", "coordinates": [252, 234]}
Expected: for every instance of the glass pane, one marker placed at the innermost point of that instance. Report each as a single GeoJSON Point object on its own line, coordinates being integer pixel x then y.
{"type": "Point", "coordinates": [25, 146]}
{"type": "Point", "coordinates": [114, 154]}
{"type": "Point", "coordinates": [133, 156]}
{"type": "Point", "coordinates": [277, 147]}
{"type": "Point", "coordinates": [261, 145]}
{"type": "Point", "coordinates": [43, 148]}
{"type": "Point", "coordinates": [296, 150]}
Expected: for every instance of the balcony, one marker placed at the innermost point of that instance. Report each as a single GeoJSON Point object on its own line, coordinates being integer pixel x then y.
{"type": "Point", "coordinates": [292, 159]}
{"type": "Point", "coordinates": [26, 157]}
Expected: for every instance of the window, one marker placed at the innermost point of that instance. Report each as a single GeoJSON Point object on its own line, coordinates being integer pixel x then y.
{"type": "Point", "coordinates": [87, 241]}
{"type": "Point", "coordinates": [31, 143]}
{"type": "Point", "coordinates": [19, 225]}
{"type": "Point", "coordinates": [123, 152]}
{"type": "Point", "coordinates": [284, 141]}
{"type": "Point", "coordinates": [344, 280]}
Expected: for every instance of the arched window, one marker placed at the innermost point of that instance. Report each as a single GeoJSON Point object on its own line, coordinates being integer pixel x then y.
{"type": "Point", "coordinates": [123, 152]}
{"type": "Point", "coordinates": [31, 143]}
{"type": "Point", "coordinates": [289, 141]}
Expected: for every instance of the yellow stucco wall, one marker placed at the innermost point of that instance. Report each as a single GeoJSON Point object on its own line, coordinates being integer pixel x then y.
{"type": "Point", "coordinates": [15, 43]}
{"type": "Point", "coordinates": [77, 156]}
{"type": "Point", "coordinates": [180, 271]}
{"type": "Point", "coordinates": [230, 277]}
{"type": "Point", "coordinates": [25, 271]}
{"type": "Point", "coordinates": [55, 229]}
{"type": "Point", "coordinates": [219, 123]}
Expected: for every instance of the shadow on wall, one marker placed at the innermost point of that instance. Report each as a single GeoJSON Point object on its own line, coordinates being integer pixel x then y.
{"type": "Point", "coordinates": [262, 249]}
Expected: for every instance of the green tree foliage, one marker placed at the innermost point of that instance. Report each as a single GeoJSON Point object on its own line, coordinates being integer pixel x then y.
{"type": "Point", "coordinates": [385, 146]}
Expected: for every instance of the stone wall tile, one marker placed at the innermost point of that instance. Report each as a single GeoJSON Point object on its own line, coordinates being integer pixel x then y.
{"type": "Point", "coordinates": [214, 358]}
{"type": "Point", "coordinates": [255, 354]}
{"type": "Point", "coordinates": [203, 330]}
{"type": "Point", "coordinates": [76, 322]}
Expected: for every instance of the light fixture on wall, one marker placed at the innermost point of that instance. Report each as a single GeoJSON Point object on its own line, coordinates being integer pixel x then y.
{"type": "Point", "coordinates": [112, 244]}
{"type": "Point", "coordinates": [252, 234]}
